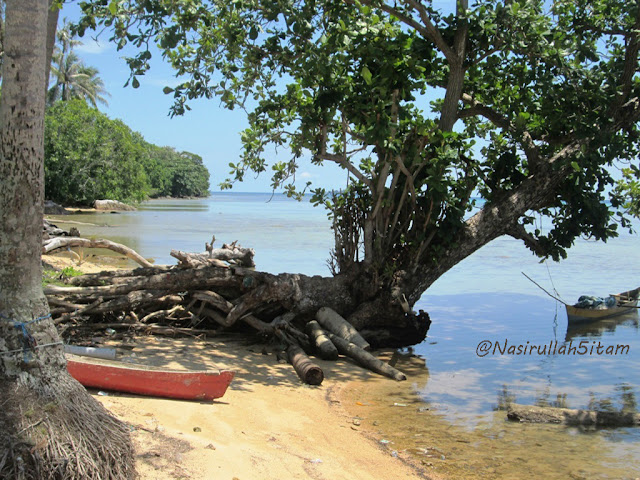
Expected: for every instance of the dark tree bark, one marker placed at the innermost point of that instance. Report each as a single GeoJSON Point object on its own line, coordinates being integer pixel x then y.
{"type": "Point", "coordinates": [51, 427]}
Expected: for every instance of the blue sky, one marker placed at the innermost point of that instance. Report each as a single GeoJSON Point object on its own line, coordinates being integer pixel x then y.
{"type": "Point", "coordinates": [207, 130]}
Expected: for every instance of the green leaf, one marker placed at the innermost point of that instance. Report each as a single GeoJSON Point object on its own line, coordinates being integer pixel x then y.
{"type": "Point", "coordinates": [135, 83]}
{"type": "Point", "coordinates": [366, 74]}
{"type": "Point", "coordinates": [113, 7]}
{"type": "Point", "coordinates": [167, 90]}
{"type": "Point", "coordinates": [253, 33]}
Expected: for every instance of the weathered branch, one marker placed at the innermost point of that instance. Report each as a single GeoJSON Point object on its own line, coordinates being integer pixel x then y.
{"type": "Point", "coordinates": [324, 347]}
{"type": "Point", "coordinates": [217, 256]}
{"type": "Point", "coordinates": [365, 359]}
{"type": "Point", "coordinates": [566, 416]}
{"type": "Point", "coordinates": [333, 322]}
{"type": "Point", "coordinates": [176, 280]}
{"type": "Point", "coordinates": [309, 372]}
{"type": "Point", "coordinates": [61, 242]}
{"type": "Point", "coordinates": [226, 306]}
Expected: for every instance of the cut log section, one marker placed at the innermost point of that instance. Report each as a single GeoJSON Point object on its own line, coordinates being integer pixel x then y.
{"type": "Point", "coordinates": [325, 348]}
{"type": "Point", "coordinates": [365, 359]}
{"type": "Point", "coordinates": [309, 372]}
{"type": "Point", "coordinates": [337, 325]}
{"type": "Point", "coordinates": [567, 416]}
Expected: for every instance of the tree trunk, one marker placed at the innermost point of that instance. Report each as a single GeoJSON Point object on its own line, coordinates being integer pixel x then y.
{"type": "Point", "coordinates": [51, 427]}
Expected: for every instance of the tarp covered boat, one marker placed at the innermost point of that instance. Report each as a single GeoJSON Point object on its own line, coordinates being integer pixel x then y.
{"type": "Point", "coordinates": [595, 308]}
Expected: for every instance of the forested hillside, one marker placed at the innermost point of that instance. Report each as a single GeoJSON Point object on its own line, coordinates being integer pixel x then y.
{"type": "Point", "coordinates": [89, 156]}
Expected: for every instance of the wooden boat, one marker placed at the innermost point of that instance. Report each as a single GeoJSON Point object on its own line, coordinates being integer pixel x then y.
{"type": "Point", "coordinates": [156, 382]}
{"type": "Point", "coordinates": [625, 302]}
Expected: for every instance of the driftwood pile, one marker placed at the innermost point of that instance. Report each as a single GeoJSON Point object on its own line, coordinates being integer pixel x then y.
{"type": "Point", "coordinates": [204, 294]}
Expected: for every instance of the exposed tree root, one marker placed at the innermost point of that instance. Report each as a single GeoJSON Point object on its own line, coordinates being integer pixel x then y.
{"type": "Point", "coordinates": [56, 431]}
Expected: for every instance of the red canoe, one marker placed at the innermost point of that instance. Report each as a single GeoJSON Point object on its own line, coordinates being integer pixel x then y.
{"type": "Point", "coordinates": [156, 382]}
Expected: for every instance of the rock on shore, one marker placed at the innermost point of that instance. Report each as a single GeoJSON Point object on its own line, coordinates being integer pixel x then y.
{"type": "Point", "coordinates": [112, 205]}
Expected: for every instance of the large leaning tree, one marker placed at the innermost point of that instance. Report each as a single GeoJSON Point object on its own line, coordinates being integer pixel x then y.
{"type": "Point", "coordinates": [530, 105]}
{"type": "Point", "coordinates": [51, 428]}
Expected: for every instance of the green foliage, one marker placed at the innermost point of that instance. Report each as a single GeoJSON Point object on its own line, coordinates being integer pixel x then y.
{"type": "Point", "coordinates": [546, 100]}
{"type": "Point", "coordinates": [628, 190]}
{"type": "Point", "coordinates": [71, 77]}
{"type": "Point", "coordinates": [53, 277]}
{"type": "Point", "coordinates": [177, 174]}
{"type": "Point", "coordinates": [89, 156]}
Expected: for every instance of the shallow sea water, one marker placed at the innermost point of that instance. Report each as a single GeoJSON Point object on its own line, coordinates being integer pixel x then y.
{"type": "Point", "coordinates": [451, 423]}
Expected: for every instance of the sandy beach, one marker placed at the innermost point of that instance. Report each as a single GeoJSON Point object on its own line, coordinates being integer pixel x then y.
{"type": "Point", "coordinates": [268, 425]}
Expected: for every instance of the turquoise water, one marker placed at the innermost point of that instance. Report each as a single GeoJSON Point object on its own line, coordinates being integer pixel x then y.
{"type": "Point", "coordinates": [486, 297]}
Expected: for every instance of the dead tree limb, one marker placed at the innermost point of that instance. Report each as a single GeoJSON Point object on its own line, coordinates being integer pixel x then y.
{"type": "Point", "coordinates": [309, 372]}
{"type": "Point", "coordinates": [325, 348]}
{"type": "Point", "coordinates": [337, 325]}
{"type": "Point", "coordinates": [365, 359]}
{"type": "Point", "coordinates": [217, 256]}
{"type": "Point", "coordinates": [176, 280]}
{"type": "Point", "coordinates": [226, 306]}
{"type": "Point", "coordinates": [68, 242]}
{"type": "Point", "coordinates": [567, 416]}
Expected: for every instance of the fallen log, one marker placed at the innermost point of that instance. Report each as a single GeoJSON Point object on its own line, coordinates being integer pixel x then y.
{"type": "Point", "coordinates": [325, 348]}
{"type": "Point", "coordinates": [365, 359]}
{"type": "Point", "coordinates": [337, 325]}
{"type": "Point", "coordinates": [116, 276]}
{"type": "Point", "coordinates": [176, 280]}
{"type": "Point", "coordinates": [216, 256]}
{"type": "Point", "coordinates": [567, 416]}
{"type": "Point", "coordinates": [309, 372]}
{"type": "Point", "coordinates": [68, 242]}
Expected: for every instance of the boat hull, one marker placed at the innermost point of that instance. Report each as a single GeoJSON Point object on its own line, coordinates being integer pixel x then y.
{"type": "Point", "coordinates": [185, 385]}
{"type": "Point", "coordinates": [578, 315]}
{"type": "Point", "coordinates": [626, 302]}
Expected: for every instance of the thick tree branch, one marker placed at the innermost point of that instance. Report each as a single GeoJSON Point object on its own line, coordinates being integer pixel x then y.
{"type": "Point", "coordinates": [518, 232]}
{"type": "Point", "coordinates": [431, 30]}
{"type": "Point", "coordinates": [455, 82]}
{"type": "Point", "coordinates": [630, 66]}
{"type": "Point", "coordinates": [427, 29]}
{"type": "Point", "coordinates": [342, 161]}
{"type": "Point", "coordinates": [499, 120]}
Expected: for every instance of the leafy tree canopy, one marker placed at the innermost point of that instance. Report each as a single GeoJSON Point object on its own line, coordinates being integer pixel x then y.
{"type": "Point", "coordinates": [89, 156]}
{"type": "Point", "coordinates": [527, 103]}
{"type": "Point", "coordinates": [177, 174]}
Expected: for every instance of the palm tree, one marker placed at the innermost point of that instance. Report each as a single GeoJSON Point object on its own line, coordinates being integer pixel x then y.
{"type": "Point", "coordinates": [75, 434]}
{"type": "Point", "coordinates": [73, 79]}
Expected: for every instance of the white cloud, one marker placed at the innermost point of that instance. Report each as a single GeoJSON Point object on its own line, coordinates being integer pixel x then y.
{"type": "Point", "coordinates": [92, 46]}
{"type": "Point", "coordinates": [162, 81]}
{"type": "Point", "coordinates": [305, 175]}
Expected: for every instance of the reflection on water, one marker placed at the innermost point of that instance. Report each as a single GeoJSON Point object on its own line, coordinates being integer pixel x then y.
{"type": "Point", "coordinates": [495, 448]}
{"type": "Point", "coordinates": [602, 327]}
{"type": "Point", "coordinates": [454, 421]}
